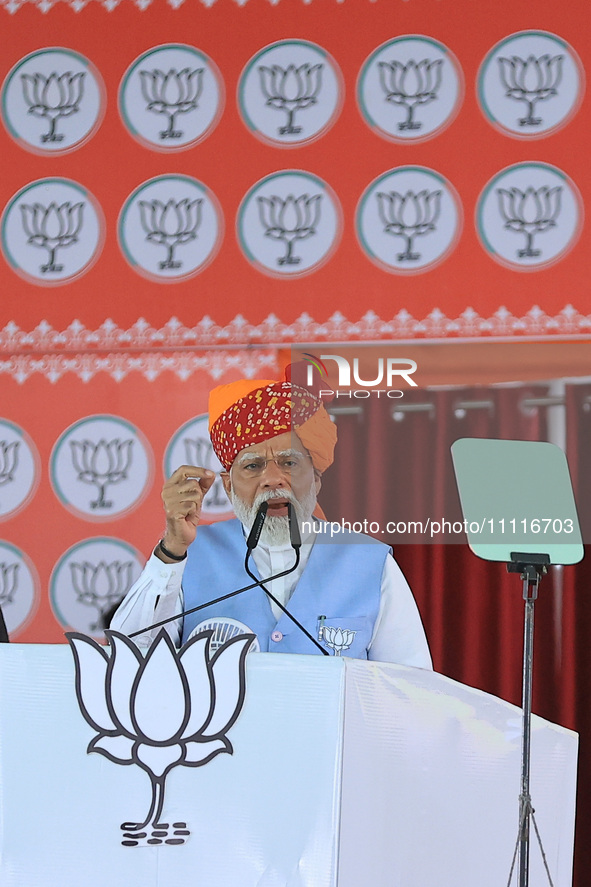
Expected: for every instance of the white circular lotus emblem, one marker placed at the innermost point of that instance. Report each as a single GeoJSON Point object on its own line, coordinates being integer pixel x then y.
{"type": "Point", "coordinates": [171, 97]}
{"type": "Point", "coordinates": [52, 231]}
{"type": "Point", "coordinates": [19, 589]}
{"type": "Point", "coordinates": [289, 224]}
{"type": "Point", "coordinates": [191, 445]}
{"type": "Point", "coordinates": [101, 468]}
{"type": "Point", "coordinates": [53, 101]}
{"type": "Point", "coordinates": [223, 629]}
{"type": "Point", "coordinates": [529, 216]}
{"type": "Point", "coordinates": [90, 580]}
{"type": "Point", "coordinates": [170, 228]}
{"type": "Point", "coordinates": [19, 469]}
{"type": "Point", "coordinates": [530, 84]}
{"type": "Point", "coordinates": [408, 220]}
{"type": "Point", "coordinates": [290, 93]}
{"type": "Point", "coordinates": [410, 88]}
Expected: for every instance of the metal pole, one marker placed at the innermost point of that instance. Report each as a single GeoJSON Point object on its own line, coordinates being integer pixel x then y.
{"type": "Point", "coordinates": [530, 593]}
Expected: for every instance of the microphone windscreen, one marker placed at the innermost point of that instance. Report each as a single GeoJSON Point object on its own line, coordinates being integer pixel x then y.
{"type": "Point", "coordinates": [256, 529]}
{"type": "Point", "coordinates": [294, 530]}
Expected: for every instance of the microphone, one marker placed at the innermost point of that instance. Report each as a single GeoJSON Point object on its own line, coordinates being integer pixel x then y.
{"type": "Point", "coordinates": [296, 542]}
{"type": "Point", "coordinates": [294, 530]}
{"type": "Point", "coordinates": [251, 543]}
{"type": "Point", "coordinates": [257, 527]}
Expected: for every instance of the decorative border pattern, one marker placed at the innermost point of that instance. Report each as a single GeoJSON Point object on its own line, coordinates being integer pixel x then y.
{"type": "Point", "coordinates": [246, 347]}
{"type": "Point", "coordinates": [250, 363]}
{"type": "Point", "coordinates": [13, 6]}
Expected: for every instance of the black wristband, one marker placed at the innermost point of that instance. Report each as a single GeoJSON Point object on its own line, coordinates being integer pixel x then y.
{"type": "Point", "coordinates": [167, 553]}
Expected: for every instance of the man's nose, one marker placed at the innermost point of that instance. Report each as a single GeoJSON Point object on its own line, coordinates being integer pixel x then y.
{"type": "Point", "coordinates": [273, 476]}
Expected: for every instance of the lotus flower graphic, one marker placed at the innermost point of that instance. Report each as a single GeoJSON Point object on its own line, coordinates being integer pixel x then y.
{"type": "Point", "coordinates": [58, 95]}
{"type": "Point", "coordinates": [338, 639]}
{"type": "Point", "coordinates": [171, 708]}
{"type": "Point", "coordinates": [101, 585]}
{"type": "Point", "coordinates": [170, 224]}
{"type": "Point", "coordinates": [8, 582]}
{"type": "Point", "coordinates": [291, 89]}
{"type": "Point", "coordinates": [530, 212]}
{"type": "Point", "coordinates": [410, 85]}
{"type": "Point", "coordinates": [171, 93]}
{"type": "Point", "coordinates": [101, 464]}
{"type": "Point", "coordinates": [52, 227]}
{"type": "Point", "coordinates": [290, 220]}
{"type": "Point", "coordinates": [409, 215]}
{"type": "Point", "coordinates": [8, 461]}
{"type": "Point", "coordinates": [200, 452]}
{"type": "Point", "coordinates": [531, 80]}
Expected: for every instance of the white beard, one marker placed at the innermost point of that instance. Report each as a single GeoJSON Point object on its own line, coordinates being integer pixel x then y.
{"type": "Point", "coordinates": [275, 529]}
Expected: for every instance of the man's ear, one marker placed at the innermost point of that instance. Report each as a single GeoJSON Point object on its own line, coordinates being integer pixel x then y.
{"type": "Point", "coordinates": [317, 481]}
{"type": "Point", "coordinates": [227, 482]}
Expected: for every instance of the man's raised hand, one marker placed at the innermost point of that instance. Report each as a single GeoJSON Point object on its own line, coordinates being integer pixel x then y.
{"type": "Point", "coordinates": [182, 495]}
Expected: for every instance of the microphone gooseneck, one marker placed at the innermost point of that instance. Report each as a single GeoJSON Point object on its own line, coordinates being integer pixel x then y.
{"type": "Point", "coordinates": [251, 543]}
{"type": "Point", "coordinates": [261, 584]}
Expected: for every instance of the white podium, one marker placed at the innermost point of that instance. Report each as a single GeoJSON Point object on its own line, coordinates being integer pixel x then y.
{"type": "Point", "coordinates": [344, 773]}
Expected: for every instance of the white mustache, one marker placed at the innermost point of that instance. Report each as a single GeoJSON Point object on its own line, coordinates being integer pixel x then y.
{"type": "Point", "coordinates": [274, 494]}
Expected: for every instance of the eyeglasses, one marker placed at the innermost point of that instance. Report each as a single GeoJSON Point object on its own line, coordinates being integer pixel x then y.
{"type": "Point", "coordinates": [292, 465]}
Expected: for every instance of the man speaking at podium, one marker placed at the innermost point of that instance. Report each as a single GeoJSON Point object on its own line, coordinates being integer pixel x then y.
{"type": "Point", "coordinates": [346, 596]}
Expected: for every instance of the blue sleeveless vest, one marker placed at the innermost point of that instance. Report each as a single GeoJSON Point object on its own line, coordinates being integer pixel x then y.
{"type": "Point", "coordinates": [341, 582]}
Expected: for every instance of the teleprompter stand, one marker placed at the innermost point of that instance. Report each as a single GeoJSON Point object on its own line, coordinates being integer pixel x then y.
{"type": "Point", "coordinates": [531, 567]}
{"type": "Point", "coordinates": [519, 508]}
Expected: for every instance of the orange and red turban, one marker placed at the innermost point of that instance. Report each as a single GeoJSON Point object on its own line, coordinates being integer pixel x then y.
{"type": "Point", "coordinates": [252, 411]}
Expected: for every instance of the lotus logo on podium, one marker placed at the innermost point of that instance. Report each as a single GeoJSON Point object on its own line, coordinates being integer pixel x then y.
{"type": "Point", "coordinates": [173, 708]}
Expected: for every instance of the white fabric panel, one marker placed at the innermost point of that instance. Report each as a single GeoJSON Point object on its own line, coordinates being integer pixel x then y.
{"type": "Point", "coordinates": [431, 781]}
{"type": "Point", "coordinates": [426, 772]}
{"type": "Point", "coordinates": [266, 816]}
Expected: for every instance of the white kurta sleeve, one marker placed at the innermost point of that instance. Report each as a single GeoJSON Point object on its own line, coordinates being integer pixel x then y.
{"type": "Point", "coordinates": [399, 635]}
{"type": "Point", "coordinates": [156, 595]}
